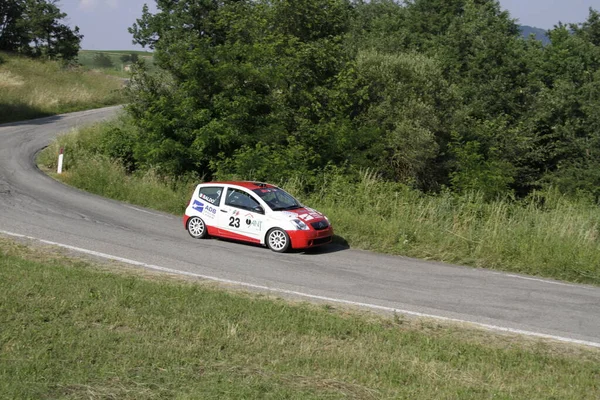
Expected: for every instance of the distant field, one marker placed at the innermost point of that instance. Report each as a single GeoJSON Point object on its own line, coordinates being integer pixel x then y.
{"type": "Point", "coordinates": [33, 88]}
{"type": "Point", "coordinates": [114, 62]}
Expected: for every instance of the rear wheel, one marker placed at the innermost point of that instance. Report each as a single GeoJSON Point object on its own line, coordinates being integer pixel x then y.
{"type": "Point", "coordinates": [278, 240]}
{"type": "Point", "coordinates": [196, 228]}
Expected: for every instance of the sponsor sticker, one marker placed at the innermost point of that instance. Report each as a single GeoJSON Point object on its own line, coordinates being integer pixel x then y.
{"type": "Point", "coordinates": [252, 223]}
{"type": "Point", "coordinates": [306, 217]}
{"type": "Point", "coordinates": [198, 206]}
{"type": "Point", "coordinates": [210, 211]}
{"type": "Point", "coordinates": [205, 209]}
{"type": "Point", "coordinates": [257, 224]}
{"type": "Point", "coordinates": [206, 198]}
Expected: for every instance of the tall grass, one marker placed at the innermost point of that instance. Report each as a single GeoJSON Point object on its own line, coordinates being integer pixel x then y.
{"type": "Point", "coordinates": [33, 88]}
{"type": "Point", "coordinates": [71, 331]}
{"type": "Point", "coordinates": [546, 235]}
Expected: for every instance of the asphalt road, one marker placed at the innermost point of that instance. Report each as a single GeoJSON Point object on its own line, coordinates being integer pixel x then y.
{"type": "Point", "coordinates": [36, 206]}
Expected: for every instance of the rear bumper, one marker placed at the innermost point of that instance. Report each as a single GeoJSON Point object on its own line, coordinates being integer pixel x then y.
{"type": "Point", "coordinates": [311, 238]}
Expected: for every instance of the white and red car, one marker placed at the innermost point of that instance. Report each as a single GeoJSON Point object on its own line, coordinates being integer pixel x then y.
{"type": "Point", "coordinates": [255, 212]}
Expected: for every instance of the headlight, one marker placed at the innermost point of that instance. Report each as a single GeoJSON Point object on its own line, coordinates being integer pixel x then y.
{"type": "Point", "coordinates": [300, 225]}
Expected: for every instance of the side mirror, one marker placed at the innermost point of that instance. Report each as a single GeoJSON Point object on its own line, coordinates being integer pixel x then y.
{"type": "Point", "coordinates": [258, 210]}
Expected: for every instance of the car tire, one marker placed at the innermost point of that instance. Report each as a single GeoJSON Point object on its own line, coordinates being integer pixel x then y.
{"type": "Point", "coordinates": [197, 228]}
{"type": "Point", "coordinates": [278, 240]}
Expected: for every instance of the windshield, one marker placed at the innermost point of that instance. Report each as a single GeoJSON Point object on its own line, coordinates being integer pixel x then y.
{"type": "Point", "coordinates": [277, 199]}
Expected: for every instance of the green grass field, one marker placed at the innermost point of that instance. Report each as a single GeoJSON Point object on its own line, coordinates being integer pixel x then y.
{"type": "Point", "coordinates": [546, 235]}
{"type": "Point", "coordinates": [33, 88]}
{"type": "Point", "coordinates": [73, 330]}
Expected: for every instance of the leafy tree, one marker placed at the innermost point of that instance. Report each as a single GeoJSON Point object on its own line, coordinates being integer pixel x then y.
{"type": "Point", "coordinates": [11, 27]}
{"type": "Point", "coordinates": [565, 115]}
{"type": "Point", "coordinates": [408, 102]}
{"type": "Point", "coordinates": [34, 28]}
{"type": "Point", "coordinates": [431, 93]}
{"type": "Point", "coordinates": [240, 76]}
{"type": "Point", "coordinates": [101, 60]}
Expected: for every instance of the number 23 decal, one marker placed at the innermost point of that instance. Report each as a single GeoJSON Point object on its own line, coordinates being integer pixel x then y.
{"type": "Point", "coordinates": [235, 222]}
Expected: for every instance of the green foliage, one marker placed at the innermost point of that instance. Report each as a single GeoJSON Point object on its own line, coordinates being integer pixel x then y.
{"type": "Point", "coordinates": [406, 92]}
{"type": "Point", "coordinates": [267, 163]}
{"type": "Point", "coordinates": [431, 94]}
{"type": "Point", "coordinates": [34, 28]}
{"type": "Point", "coordinates": [101, 60]}
{"type": "Point", "coordinates": [129, 58]}
{"type": "Point", "coordinates": [476, 173]}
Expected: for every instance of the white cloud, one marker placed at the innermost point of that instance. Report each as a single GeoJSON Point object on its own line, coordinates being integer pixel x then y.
{"type": "Point", "coordinates": [89, 5]}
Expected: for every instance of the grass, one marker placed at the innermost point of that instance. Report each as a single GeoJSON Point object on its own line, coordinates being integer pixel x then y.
{"type": "Point", "coordinates": [33, 88]}
{"type": "Point", "coordinates": [546, 235]}
{"type": "Point", "coordinates": [70, 329]}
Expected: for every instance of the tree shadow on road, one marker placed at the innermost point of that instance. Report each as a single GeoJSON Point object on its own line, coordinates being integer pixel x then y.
{"type": "Point", "coordinates": [21, 114]}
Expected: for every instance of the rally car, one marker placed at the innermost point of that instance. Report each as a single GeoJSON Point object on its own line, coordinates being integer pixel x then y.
{"type": "Point", "coordinates": [255, 212]}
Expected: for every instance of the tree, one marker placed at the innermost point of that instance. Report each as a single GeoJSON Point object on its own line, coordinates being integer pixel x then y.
{"type": "Point", "coordinates": [34, 28]}
{"type": "Point", "coordinates": [129, 58]}
{"type": "Point", "coordinates": [101, 60]}
{"type": "Point", "coordinates": [11, 27]}
{"type": "Point", "coordinates": [433, 93]}
{"type": "Point", "coordinates": [566, 113]}
{"type": "Point", "coordinates": [240, 78]}
{"type": "Point", "coordinates": [408, 101]}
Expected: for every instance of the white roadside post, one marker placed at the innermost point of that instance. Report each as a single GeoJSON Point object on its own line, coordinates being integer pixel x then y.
{"type": "Point", "coordinates": [60, 162]}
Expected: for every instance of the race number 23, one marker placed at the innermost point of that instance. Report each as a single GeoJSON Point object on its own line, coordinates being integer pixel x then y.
{"type": "Point", "coordinates": [235, 222]}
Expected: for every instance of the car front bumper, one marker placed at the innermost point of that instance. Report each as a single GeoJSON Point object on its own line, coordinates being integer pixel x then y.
{"type": "Point", "coordinates": [311, 238]}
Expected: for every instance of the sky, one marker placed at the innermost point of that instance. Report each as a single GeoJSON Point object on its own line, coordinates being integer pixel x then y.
{"type": "Point", "coordinates": [104, 23]}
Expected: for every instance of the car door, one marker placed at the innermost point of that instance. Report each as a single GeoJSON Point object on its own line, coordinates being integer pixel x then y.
{"type": "Point", "coordinates": [206, 203]}
{"type": "Point", "coordinates": [242, 216]}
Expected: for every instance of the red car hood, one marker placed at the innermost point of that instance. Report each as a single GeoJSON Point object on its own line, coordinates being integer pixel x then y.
{"type": "Point", "coordinates": [305, 214]}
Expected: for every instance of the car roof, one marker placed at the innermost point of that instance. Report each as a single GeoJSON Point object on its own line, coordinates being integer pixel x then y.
{"type": "Point", "coordinates": [245, 184]}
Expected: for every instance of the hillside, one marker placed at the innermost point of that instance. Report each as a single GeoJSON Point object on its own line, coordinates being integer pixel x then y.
{"type": "Point", "coordinates": [33, 88]}
{"type": "Point", "coordinates": [540, 34]}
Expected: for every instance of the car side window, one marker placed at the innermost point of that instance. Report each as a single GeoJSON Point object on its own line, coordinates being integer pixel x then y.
{"type": "Point", "coordinates": [211, 194]}
{"type": "Point", "coordinates": [239, 199]}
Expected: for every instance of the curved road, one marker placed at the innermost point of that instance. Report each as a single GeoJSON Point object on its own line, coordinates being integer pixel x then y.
{"type": "Point", "coordinates": [35, 206]}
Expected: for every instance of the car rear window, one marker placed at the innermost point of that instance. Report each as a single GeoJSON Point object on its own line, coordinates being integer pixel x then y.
{"type": "Point", "coordinates": [211, 194]}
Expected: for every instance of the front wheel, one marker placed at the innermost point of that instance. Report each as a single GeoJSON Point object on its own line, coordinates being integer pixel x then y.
{"type": "Point", "coordinates": [196, 228]}
{"type": "Point", "coordinates": [278, 240]}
